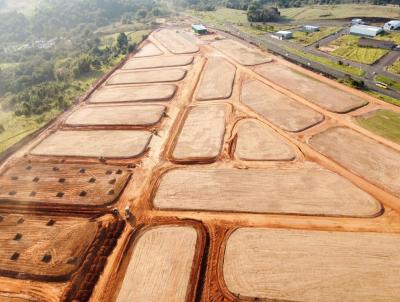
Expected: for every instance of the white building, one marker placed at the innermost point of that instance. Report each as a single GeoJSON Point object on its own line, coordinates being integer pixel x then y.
{"type": "Point", "coordinates": [310, 28]}
{"type": "Point", "coordinates": [365, 30]}
{"type": "Point", "coordinates": [392, 25]}
{"type": "Point", "coordinates": [357, 21]}
{"type": "Point", "coordinates": [282, 34]}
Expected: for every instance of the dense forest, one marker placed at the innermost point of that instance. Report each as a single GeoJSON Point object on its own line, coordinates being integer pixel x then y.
{"type": "Point", "coordinates": [42, 55]}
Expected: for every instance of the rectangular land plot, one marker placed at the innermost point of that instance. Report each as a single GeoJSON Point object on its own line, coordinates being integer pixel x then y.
{"type": "Point", "coordinates": [175, 42]}
{"type": "Point", "coordinates": [161, 265]}
{"type": "Point", "coordinates": [44, 248]}
{"type": "Point", "coordinates": [310, 190]}
{"type": "Point", "coordinates": [217, 81]}
{"type": "Point", "coordinates": [319, 93]}
{"type": "Point", "coordinates": [158, 62]}
{"type": "Point", "coordinates": [299, 265]}
{"type": "Point", "coordinates": [259, 142]}
{"type": "Point", "coordinates": [202, 134]}
{"type": "Point", "coordinates": [363, 156]}
{"type": "Point", "coordinates": [113, 94]}
{"type": "Point", "coordinates": [96, 143]}
{"type": "Point", "coordinates": [62, 184]}
{"type": "Point", "coordinates": [241, 53]}
{"type": "Point", "coordinates": [149, 50]}
{"type": "Point", "coordinates": [278, 108]}
{"type": "Point", "coordinates": [147, 76]}
{"type": "Point", "coordinates": [135, 115]}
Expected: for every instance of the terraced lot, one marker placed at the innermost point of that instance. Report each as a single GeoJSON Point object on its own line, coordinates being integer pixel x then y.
{"type": "Point", "coordinates": [206, 170]}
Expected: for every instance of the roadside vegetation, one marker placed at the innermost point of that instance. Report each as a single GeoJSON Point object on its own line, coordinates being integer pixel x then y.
{"type": "Point", "coordinates": [347, 47]}
{"type": "Point", "coordinates": [308, 38]}
{"type": "Point", "coordinates": [382, 122]}
{"type": "Point", "coordinates": [324, 61]}
{"type": "Point", "coordinates": [384, 98]}
{"type": "Point", "coordinates": [395, 68]}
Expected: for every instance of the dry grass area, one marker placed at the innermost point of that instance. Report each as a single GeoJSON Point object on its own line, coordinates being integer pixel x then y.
{"type": "Point", "coordinates": [243, 178]}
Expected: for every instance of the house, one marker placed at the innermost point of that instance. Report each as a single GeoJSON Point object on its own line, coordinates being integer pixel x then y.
{"type": "Point", "coordinates": [199, 29]}
{"type": "Point", "coordinates": [392, 25]}
{"type": "Point", "coordinates": [282, 34]}
{"type": "Point", "coordinates": [310, 28]}
{"type": "Point", "coordinates": [365, 30]}
{"type": "Point", "coordinates": [367, 42]}
{"type": "Point", "coordinates": [357, 21]}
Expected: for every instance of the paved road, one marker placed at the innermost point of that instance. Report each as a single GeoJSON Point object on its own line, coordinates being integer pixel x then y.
{"type": "Point", "coordinates": [278, 48]}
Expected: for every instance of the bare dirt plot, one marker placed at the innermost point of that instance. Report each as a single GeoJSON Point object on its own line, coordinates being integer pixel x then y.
{"type": "Point", "coordinates": [62, 184]}
{"type": "Point", "coordinates": [241, 53]}
{"type": "Point", "coordinates": [297, 265]}
{"type": "Point", "coordinates": [112, 94]}
{"type": "Point", "coordinates": [148, 76]}
{"type": "Point", "coordinates": [309, 190]}
{"type": "Point", "coordinates": [258, 142]}
{"type": "Point", "coordinates": [161, 265]}
{"type": "Point", "coordinates": [202, 135]}
{"type": "Point", "coordinates": [371, 160]}
{"type": "Point", "coordinates": [158, 62]}
{"type": "Point", "coordinates": [321, 94]}
{"type": "Point", "coordinates": [43, 247]}
{"type": "Point", "coordinates": [175, 42]}
{"type": "Point", "coordinates": [148, 50]}
{"type": "Point", "coordinates": [277, 108]}
{"type": "Point", "coordinates": [99, 143]}
{"type": "Point", "coordinates": [125, 115]}
{"type": "Point", "coordinates": [217, 81]}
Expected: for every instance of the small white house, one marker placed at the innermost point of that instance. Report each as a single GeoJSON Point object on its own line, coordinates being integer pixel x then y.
{"type": "Point", "coordinates": [310, 28]}
{"type": "Point", "coordinates": [365, 30]}
{"type": "Point", "coordinates": [283, 35]}
{"type": "Point", "coordinates": [357, 21]}
{"type": "Point", "coordinates": [392, 25]}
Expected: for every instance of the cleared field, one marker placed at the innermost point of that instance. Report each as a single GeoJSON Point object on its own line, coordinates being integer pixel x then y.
{"type": "Point", "coordinates": [175, 42]}
{"type": "Point", "coordinates": [371, 160]}
{"type": "Point", "coordinates": [99, 143]}
{"type": "Point", "coordinates": [48, 248]}
{"type": "Point", "coordinates": [217, 80]}
{"type": "Point", "coordinates": [123, 115]}
{"type": "Point", "coordinates": [202, 134]}
{"type": "Point", "coordinates": [161, 265]}
{"type": "Point", "coordinates": [347, 47]}
{"type": "Point", "coordinates": [149, 93]}
{"type": "Point", "coordinates": [310, 190]}
{"type": "Point", "coordinates": [258, 142]}
{"type": "Point", "coordinates": [383, 122]}
{"type": "Point", "coordinates": [241, 53]}
{"type": "Point", "coordinates": [158, 62]}
{"type": "Point", "coordinates": [62, 184]}
{"type": "Point", "coordinates": [297, 265]}
{"type": "Point", "coordinates": [149, 50]}
{"type": "Point", "coordinates": [321, 94]}
{"type": "Point", "coordinates": [148, 76]}
{"type": "Point", "coordinates": [277, 108]}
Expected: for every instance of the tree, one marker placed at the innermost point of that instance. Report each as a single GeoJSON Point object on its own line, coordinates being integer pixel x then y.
{"type": "Point", "coordinates": [122, 42]}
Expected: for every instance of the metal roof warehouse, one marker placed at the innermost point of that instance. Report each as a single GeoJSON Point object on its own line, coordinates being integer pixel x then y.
{"type": "Point", "coordinates": [365, 30]}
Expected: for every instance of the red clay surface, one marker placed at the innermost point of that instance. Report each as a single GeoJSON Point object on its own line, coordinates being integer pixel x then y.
{"type": "Point", "coordinates": [158, 62]}
{"type": "Point", "coordinates": [148, 76]}
{"type": "Point", "coordinates": [277, 108]}
{"type": "Point", "coordinates": [175, 42]}
{"type": "Point", "coordinates": [122, 94]}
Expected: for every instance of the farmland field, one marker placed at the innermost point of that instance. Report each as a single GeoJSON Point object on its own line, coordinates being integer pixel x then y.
{"type": "Point", "coordinates": [306, 38]}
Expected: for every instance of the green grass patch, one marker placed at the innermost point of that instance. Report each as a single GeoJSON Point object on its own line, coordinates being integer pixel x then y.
{"type": "Point", "coordinates": [347, 47]}
{"type": "Point", "coordinates": [391, 83]}
{"type": "Point", "coordinates": [307, 38]}
{"type": "Point", "coordinates": [321, 12]}
{"type": "Point", "coordinates": [384, 98]}
{"type": "Point", "coordinates": [385, 123]}
{"type": "Point", "coordinates": [324, 61]}
{"type": "Point", "coordinates": [221, 15]}
{"type": "Point", "coordinates": [390, 36]}
{"type": "Point", "coordinates": [395, 68]}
